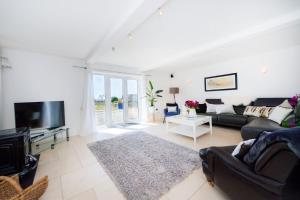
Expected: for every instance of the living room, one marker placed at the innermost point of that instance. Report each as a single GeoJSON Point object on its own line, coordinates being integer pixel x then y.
{"type": "Point", "coordinates": [165, 99]}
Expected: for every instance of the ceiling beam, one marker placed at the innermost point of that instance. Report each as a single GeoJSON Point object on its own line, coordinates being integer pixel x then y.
{"type": "Point", "coordinates": [127, 25]}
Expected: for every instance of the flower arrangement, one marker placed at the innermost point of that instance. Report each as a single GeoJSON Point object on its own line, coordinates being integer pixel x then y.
{"type": "Point", "coordinates": [191, 104]}
{"type": "Point", "coordinates": [294, 100]}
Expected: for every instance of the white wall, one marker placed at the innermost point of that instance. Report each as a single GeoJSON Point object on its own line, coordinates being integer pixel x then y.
{"type": "Point", "coordinates": [39, 77]}
{"type": "Point", "coordinates": [281, 80]}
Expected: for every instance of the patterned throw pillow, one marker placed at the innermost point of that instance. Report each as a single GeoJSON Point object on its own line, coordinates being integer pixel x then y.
{"type": "Point", "coordinates": [254, 111]}
{"type": "Point", "coordinates": [266, 111]}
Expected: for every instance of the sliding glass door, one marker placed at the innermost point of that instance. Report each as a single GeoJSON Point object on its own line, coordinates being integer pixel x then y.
{"type": "Point", "coordinates": [116, 99]}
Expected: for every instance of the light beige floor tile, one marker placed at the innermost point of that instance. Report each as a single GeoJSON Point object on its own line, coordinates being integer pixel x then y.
{"type": "Point", "coordinates": [48, 156]}
{"type": "Point", "coordinates": [86, 195]}
{"type": "Point", "coordinates": [208, 192]}
{"type": "Point", "coordinates": [187, 187]}
{"type": "Point", "coordinates": [111, 193]}
{"type": "Point", "coordinates": [50, 169]}
{"type": "Point", "coordinates": [81, 180]}
{"type": "Point", "coordinates": [54, 190]}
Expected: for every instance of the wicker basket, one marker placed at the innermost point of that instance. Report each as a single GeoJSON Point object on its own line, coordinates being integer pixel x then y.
{"type": "Point", "coordinates": [10, 189]}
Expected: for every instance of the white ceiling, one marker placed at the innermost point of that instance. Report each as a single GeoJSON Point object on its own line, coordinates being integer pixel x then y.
{"type": "Point", "coordinates": [187, 30]}
{"type": "Point", "coordinates": [196, 26]}
{"type": "Point", "coordinates": [63, 27]}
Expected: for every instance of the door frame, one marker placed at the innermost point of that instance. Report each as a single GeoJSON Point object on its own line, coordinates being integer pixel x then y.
{"type": "Point", "coordinates": [107, 88]}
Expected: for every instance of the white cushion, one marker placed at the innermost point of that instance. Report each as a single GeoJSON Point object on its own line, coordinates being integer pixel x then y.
{"type": "Point", "coordinates": [210, 107]}
{"type": "Point", "coordinates": [279, 113]}
{"type": "Point", "coordinates": [171, 108]}
{"type": "Point", "coordinates": [238, 147]}
{"type": "Point", "coordinates": [286, 104]}
{"type": "Point", "coordinates": [224, 108]}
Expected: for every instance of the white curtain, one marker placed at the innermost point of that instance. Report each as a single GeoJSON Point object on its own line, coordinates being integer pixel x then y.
{"type": "Point", "coordinates": [88, 125]}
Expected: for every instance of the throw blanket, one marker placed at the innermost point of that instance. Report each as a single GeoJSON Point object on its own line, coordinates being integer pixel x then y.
{"type": "Point", "coordinates": [291, 136]}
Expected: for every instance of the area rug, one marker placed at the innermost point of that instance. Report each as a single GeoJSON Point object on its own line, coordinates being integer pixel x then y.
{"type": "Point", "coordinates": [142, 166]}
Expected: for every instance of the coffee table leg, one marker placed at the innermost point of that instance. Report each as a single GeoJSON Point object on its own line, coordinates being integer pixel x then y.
{"type": "Point", "coordinates": [167, 123]}
{"type": "Point", "coordinates": [194, 132]}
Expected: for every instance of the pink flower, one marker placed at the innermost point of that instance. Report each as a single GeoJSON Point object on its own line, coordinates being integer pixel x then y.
{"type": "Point", "coordinates": [294, 100]}
{"type": "Point", "coordinates": [191, 103]}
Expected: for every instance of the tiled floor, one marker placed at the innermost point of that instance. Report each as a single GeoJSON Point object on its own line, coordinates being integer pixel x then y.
{"type": "Point", "coordinates": [74, 172]}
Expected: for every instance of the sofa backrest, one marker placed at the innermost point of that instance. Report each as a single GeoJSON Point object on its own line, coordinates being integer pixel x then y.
{"type": "Point", "coordinates": [269, 102]}
{"type": "Point", "coordinates": [214, 101]}
{"type": "Point", "coordinates": [277, 162]}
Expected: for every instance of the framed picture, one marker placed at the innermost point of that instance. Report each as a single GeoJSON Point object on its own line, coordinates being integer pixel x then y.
{"type": "Point", "coordinates": [221, 82]}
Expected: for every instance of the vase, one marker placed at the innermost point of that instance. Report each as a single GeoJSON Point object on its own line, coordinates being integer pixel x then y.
{"type": "Point", "coordinates": [192, 113]}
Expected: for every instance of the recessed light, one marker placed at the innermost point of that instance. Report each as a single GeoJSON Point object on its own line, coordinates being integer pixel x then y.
{"type": "Point", "coordinates": [264, 70]}
{"type": "Point", "coordinates": [130, 36]}
{"type": "Point", "coordinates": [160, 12]}
{"type": "Point", "coordinates": [113, 48]}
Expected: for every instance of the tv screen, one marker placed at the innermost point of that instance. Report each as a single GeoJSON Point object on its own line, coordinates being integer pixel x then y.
{"type": "Point", "coordinates": [47, 115]}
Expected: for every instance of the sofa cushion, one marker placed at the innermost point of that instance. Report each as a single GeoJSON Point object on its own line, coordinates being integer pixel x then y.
{"type": "Point", "coordinates": [253, 111]}
{"type": "Point", "coordinates": [224, 108]}
{"type": "Point", "coordinates": [214, 116]}
{"type": "Point", "coordinates": [269, 102]}
{"type": "Point", "coordinates": [214, 101]}
{"type": "Point", "coordinates": [251, 118]}
{"type": "Point", "coordinates": [232, 119]}
{"type": "Point", "coordinates": [201, 108]}
{"type": "Point", "coordinates": [239, 109]}
{"type": "Point", "coordinates": [258, 125]}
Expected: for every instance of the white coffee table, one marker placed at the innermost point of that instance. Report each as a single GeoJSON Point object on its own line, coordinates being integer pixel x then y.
{"type": "Point", "coordinates": [191, 127]}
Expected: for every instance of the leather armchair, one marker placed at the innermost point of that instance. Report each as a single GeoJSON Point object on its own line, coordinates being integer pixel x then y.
{"type": "Point", "coordinates": [275, 175]}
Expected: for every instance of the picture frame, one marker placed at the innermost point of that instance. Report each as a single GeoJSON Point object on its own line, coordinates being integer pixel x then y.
{"type": "Point", "coordinates": [221, 82]}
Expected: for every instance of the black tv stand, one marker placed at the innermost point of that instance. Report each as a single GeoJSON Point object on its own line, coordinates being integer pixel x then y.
{"type": "Point", "coordinates": [48, 138]}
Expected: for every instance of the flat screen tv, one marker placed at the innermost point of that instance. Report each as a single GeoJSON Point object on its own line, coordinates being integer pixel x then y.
{"type": "Point", "coordinates": [43, 115]}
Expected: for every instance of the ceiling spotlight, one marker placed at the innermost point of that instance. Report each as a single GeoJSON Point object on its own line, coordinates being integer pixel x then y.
{"type": "Point", "coordinates": [160, 12]}
{"type": "Point", "coordinates": [130, 36]}
{"type": "Point", "coordinates": [113, 48]}
{"type": "Point", "coordinates": [264, 70]}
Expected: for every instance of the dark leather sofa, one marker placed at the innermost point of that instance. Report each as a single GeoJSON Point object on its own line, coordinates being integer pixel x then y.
{"type": "Point", "coordinates": [250, 126]}
{"type": "Point", "coordinates": [276, 174]}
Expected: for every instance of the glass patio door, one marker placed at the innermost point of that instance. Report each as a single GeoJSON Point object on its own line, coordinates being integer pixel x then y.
{"type": "Point", "coordinates": [99, 99]}
{"type": "Point", "coordinates": [132, 100]}
{"type": "Point", "coordinates": [117, 100]}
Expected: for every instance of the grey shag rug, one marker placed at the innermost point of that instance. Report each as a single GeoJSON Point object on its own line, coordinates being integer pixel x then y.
{"type": "Point", "coordinates": [142, 166]}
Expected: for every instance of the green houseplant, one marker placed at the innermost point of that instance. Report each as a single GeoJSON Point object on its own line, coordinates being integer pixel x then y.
{"type": "Point", "coordinates": [152, 96]}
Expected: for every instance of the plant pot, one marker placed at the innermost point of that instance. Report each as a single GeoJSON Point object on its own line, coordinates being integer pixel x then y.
{"type": "Point", "coordinates": [151, 109]}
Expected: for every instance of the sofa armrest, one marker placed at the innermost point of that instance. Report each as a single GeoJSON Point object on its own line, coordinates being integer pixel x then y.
{"type": "Point", "coordinates": [218, 156]}
{"type": "Point", "coordinates": [166, 111]}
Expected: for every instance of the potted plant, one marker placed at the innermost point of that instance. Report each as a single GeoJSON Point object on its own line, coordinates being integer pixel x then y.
{"type": "Point", "coordinates": [152, 96]}
{"type": "Point", "coordinates": [191, 106]}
